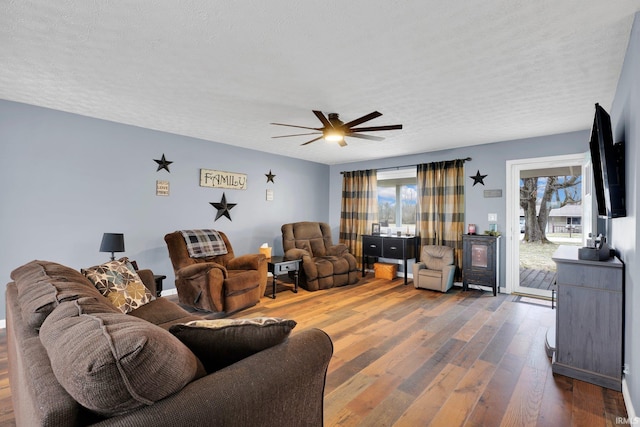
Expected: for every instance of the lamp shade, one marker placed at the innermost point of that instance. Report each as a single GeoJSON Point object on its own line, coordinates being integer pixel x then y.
{"type": "Point", "coordinates": [112, 242]}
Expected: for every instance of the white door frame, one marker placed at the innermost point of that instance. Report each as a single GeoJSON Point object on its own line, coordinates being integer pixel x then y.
{"type": "Point", "coordinates": [514, 167]}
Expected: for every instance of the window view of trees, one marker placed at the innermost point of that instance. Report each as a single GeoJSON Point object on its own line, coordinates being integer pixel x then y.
{"type": "Point", "coordinates": [397, 204]}
{"type": "Point", "coordinates": [539, 195]}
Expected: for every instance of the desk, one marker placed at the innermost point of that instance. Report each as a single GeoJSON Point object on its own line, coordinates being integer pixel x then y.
{"type": "Point", "coordinates": [393, 247]}
{"type": "Point", "coordinates": [278, 265]}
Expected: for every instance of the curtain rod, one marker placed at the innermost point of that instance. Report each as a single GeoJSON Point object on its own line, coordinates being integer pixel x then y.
{"type": "Point", "coordinates": [467, 159]}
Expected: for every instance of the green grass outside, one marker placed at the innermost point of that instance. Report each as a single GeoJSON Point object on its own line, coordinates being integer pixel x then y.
{"type": "Point", "coordinates": [537, 256]}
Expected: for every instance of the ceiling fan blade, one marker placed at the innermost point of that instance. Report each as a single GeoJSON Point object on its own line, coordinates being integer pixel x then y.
{"type": "Point", "coordinates": [296, 126]}
{"type": "Point", "coordinates": [323, 119]}
{"type": "Point", "coordinates": [313, 140]}
{"type": "Point", "coordinates": [342, 143]}
{"type": "Point", "coordinates": [375, 128]}
{"type": "Point", "coordinates": [296, 134]}
{"type": "Point", "coordinates": [363, 119]}
{"type": "Point", "coordinates": [370, 137]}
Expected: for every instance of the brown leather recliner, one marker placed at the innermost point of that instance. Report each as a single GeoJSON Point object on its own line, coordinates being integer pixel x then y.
{"type": "Point", "coordinates": [218, 283]}
{"type": "Point", "coordinates": [324, 265]}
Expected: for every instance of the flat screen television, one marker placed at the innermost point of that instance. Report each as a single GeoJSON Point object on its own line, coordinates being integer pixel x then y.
{"type": "Point", "coordinates": [607, 159]}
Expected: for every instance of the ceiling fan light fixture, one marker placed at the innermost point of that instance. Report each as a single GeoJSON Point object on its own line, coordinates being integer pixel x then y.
{"type": "Point", "coordinates": [333, 136]}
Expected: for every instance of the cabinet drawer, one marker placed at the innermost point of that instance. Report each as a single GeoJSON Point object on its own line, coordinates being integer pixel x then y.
{"type": "Point", "coordinates": [393, 248]}
{"type": "Point", "coordinates": [372, 246]}
{"type": "Point", "coordinates": [285, 267]}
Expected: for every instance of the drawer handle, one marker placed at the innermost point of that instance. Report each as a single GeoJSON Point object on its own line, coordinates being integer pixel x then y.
{"type": "Point", "coordinates": [372, 246]}
{"type": "Point", "coordinates": [393, 248]}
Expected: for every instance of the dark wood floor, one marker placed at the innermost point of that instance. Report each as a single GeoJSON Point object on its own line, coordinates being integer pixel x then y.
{"type": "Point", "coordinates": [410, 357]}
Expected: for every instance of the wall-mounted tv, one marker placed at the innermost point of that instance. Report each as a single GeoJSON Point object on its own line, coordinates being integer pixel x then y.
{"type": "Point", "coordinates": [608, 167]}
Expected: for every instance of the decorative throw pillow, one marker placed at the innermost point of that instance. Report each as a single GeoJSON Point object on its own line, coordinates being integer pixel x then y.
{"type": "Point", "coordinates": [222, 342]}
{"type": "Point", "coordinates": [118, 281]}
{"type": "Point", "coordinates": [112, 363]}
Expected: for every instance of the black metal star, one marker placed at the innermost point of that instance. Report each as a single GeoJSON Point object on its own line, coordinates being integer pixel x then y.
{"type": "Point", "coordinates": [477, 178]}
{"type": "Point", "coordinates": [163, 163]}
{"type": "Point", "coordinates": [223, 207]}
{"type": "Point", "coordinates": [270, 176]}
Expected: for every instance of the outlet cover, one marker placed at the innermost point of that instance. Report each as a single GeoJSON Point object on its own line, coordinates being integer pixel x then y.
{"type": "Point", "coordinates": [493, 217]}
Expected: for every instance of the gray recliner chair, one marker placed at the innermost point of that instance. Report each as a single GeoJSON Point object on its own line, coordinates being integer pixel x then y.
{"type": "Point", "coordinates": [436, 269]}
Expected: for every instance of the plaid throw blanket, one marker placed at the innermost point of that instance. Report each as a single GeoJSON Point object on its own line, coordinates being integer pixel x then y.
{"type": "Point", "coordinates": [204, 243]}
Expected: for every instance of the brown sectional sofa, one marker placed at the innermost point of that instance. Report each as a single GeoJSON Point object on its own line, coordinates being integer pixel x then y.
{"type": "Point", "coordinates": [144, 375]}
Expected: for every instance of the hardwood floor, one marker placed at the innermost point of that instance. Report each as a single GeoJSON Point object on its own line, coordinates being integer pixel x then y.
{"type": "Point", "coordinates": [412, 357]}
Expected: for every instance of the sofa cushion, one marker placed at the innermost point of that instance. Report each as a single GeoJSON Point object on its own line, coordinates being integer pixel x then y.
{"type": "Point", "coordinates": [222, 342]}
{"type": "Point", "coordinates": [119, 282]}
{"type": "Point", "coordinates": [163, 313]}
{"type": "Point", "coordinates": [304, 245]}
{"type": "Point", "coordinates": [112, 363]}
{"type": "Point", "coordinates": [42, 285]}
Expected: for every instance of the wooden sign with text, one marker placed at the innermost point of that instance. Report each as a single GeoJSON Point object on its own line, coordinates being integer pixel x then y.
{"type": "Point", "coordinates": [220, 179]}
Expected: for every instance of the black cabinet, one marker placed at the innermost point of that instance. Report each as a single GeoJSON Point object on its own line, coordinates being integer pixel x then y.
{"type": "Point", "coordinates": [392, 247]}
{"type": "Point", "coordinates": [480, 258]}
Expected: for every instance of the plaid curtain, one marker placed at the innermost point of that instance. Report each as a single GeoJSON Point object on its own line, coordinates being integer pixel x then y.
{"type": "Point", "coordinates": [359, 208]}
{"type": "Point", "coordinates": [441, 206]}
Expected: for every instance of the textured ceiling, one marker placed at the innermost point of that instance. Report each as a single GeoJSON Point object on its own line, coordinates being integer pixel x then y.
{"type": "Point", "coordinates": [453, 73]}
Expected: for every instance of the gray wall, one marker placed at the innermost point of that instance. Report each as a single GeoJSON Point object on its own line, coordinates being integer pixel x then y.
{"type": "Point", "coordinates": [624, 233]}
{"type": "Point", "coordinates": [489, 159]}
{"type": "Point", "coordinates": [66, 179]}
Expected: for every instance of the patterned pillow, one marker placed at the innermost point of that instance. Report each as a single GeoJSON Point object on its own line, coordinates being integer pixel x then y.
{"type": "Point", "coordinates": [222, 342]}
{"type": "Point", "coordinates": [204, 243]}
{"type": "Point", "coordinates": [118, 281]}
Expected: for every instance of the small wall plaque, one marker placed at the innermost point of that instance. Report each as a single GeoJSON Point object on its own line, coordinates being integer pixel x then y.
{"type": "Point", "coordinates": [492, 193]}
{"type": "Point", "coordinates": [162, 188]}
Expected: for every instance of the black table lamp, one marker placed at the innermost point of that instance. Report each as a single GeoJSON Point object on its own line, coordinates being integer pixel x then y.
{"type": "Point", "coordinates": [112, 242]}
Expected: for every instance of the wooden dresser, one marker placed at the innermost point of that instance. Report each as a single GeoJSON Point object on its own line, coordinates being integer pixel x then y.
{"type": "Point", "coordinates": [589, 319]}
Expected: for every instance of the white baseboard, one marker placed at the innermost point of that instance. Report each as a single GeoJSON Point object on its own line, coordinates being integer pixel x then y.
{"type": "Point", "coordinates": [631, 412]}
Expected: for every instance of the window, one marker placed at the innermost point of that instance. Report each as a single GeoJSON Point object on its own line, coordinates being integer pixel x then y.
{"type": "Point", "coordinates": [397, 200]}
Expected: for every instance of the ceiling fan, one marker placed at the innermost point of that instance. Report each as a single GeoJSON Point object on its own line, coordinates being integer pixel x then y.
{"type": "Point", "coordinates": [334, 130]}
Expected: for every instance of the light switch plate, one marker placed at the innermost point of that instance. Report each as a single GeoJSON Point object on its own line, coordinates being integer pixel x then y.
{"type": "Point", "coordinates": [493, 217]}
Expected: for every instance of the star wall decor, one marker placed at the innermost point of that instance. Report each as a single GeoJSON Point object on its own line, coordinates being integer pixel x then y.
{"type": "Point", "coordinates": [477, 178]}
{"type": "Point", "coordinates": [223, 207]}
{"type": "Point", "coordinates": [163, 163]}
{"type": "Point", "coordinates": [270, 176]}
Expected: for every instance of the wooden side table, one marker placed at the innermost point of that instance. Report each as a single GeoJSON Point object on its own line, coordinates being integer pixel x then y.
{"type": "Point", "coordinates": [278, 265]}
